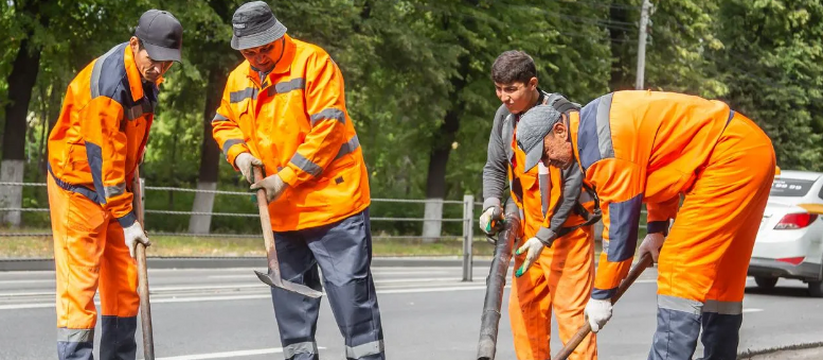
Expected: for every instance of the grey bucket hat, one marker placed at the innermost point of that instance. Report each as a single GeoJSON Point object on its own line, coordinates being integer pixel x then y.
{"type": "Point", "coordinates": [534, 125]}
{"type": "Point", "coordinates": [253, 25]}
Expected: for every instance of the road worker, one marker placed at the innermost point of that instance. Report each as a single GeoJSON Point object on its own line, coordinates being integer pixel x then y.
{"type": "Point", "coordinates": [284, 109]}
{"type": "Point", "coordinates": [555, 266]}
{"type": "Point", "coordinates": [94, 149]}
{"type": "Point", "coordinates": [649, 147]}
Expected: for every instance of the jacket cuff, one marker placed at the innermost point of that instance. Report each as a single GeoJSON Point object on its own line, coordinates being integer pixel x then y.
{"type": "Point", "coordinates": [607, 294]}
{"type": "Point", "coordinates": [127, 220]}
{"type": "Point", "coordinates": [234, 151]}
{"type": "Point", "coordinates": [489, 202]}
{"type": "Point", "coordinates": [658, 227]}
{"type": "Point", "coordinates": [546, 236]}
{"type": "Point", "coordinates": [288, 176]}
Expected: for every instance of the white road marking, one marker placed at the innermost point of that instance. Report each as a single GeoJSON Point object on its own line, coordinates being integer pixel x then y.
{"type": "Point", "coordinates": [228, 354]}
{"type": "Point", "coordinates": [33, 281]}
{"type": "Point", "coordinates": [253, 297]}
{"type": "Point", "coordinates": [751, 310]}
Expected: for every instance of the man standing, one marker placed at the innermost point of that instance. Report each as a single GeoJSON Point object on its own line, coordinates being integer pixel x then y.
{"type": "Point", "coordinates": [643, 146]}
{"type": "Point", "coordinates": [284, 109]}
{"type": "Point", "coordinates": [94, 149]}
{"type": "Point", "coordinates": [555, 217]}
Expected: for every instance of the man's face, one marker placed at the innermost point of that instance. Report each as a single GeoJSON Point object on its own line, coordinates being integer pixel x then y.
{"type": "Point", "coordinates": [264, 57]}
{"type": "Point", "coordinates": [150, 70]}
{"type": "Point", "coordinates": [517, 96]}
{"type": "Point", "coordinates": [557, 150]}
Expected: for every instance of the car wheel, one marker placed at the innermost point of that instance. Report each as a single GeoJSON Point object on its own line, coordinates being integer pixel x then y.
{"type": "Point", "coordinates": [816, 288]}
{"type": "Point", "coordinates": [765, 282]}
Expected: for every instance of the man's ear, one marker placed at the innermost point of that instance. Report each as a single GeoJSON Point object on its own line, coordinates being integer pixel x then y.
{"type": "Point", "coordinates": [134, 44]}
{"type": "Point", "coordinates": [533, 82]}
{"type": "Point", "coordinates": [560, 130]}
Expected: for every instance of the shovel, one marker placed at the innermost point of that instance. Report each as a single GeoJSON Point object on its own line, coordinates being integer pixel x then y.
{"type": "Point", "coordinates": [273, 278]}
{"type": "Point", "coordinates": [142, 273]}
{"type": "Point", "coordinates": [645, 261]}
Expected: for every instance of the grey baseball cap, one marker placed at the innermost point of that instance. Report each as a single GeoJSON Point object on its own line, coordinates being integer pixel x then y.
{"type": "Point", "coordinates": [533, 126]}
{"type": "Point", "coordinates": [161, 35]}
{"type": "Point", "coordinates": [253, 25]}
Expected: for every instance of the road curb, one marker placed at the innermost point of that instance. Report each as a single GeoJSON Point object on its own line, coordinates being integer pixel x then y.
{"type": "Point", "coordinates": [240, 262]}
{"type": "Point", "coordinates": [748, 354]}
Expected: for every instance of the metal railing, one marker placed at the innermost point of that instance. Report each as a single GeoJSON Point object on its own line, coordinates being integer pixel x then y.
{"type": "Point", "coordinates": [467, 218]}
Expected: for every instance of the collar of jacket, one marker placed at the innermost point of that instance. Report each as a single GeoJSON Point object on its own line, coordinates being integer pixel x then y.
{"type": "Point", "coordinates": [135, 80]}
{"type": "Point", "coordinates": [283, 65]}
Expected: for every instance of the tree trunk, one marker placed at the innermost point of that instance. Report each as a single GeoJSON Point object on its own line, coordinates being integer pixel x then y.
{"type": "Point", "coordinates": [621, 62]}
{"type": "Point", "coordinates": [209, 156]}
{"type": "Point", "coordinates": [439, 158]}
{"type": "Point", "coordinates": [21, 82]}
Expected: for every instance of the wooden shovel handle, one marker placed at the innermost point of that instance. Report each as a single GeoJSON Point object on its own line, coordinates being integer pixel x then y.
{"type": "Point", "coordinates": [142, 271]}
{"type": "Point", "coordinates": [645, 261]}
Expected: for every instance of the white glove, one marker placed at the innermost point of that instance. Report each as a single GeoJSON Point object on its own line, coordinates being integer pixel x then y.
{"type": "Point", "coordinates": [598, 312]}
{"type": "Point", "coordinates": [244, 162]}
{"type": "Point", "coordinates": [486, 219]}
{"type": "Point", "coordinates": [533, 248]}
{"type": "Point", "coordinates": [273, 185]}
{"type": "Point", "coordinates": [651, 244]}
{"type": "Point", "coordinates": [134, 234]}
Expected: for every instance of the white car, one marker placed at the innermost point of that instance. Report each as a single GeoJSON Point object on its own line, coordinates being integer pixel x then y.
{"type": "Point", "coordinates": [790, 239]}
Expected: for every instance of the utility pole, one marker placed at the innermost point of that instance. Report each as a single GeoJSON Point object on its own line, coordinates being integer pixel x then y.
{"type": "Point", "coordinates": [641, 44]}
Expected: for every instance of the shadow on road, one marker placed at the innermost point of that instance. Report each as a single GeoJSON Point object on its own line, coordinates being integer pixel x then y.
{"type": "Point", "coordinates": [779, 291]}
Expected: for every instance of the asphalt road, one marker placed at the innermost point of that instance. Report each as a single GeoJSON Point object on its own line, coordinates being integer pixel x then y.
{"type": "Point", "coordinates": [428, 313]}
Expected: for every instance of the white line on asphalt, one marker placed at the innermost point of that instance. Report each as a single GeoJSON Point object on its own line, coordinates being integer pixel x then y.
{"type": "Point", "coordinates": [229, 354]}
{"type": "Point", "coordinates": [33, 281]}
{"type": "Point", "coordinates": [252, 297]}
{"type": "Point", "coordinates": [377, 273]}
{"type": "Point", "coordinates": [751, 310]}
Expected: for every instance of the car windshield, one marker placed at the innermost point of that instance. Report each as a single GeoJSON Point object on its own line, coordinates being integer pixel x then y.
{"type": "Point", "coordinates": [790, 187]}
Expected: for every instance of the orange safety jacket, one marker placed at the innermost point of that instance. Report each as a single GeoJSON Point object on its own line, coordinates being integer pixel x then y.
{"type": "Point", "coordinates": [99, 138]}
{"type": "Point", "coordinates": [295, 121]}
{"type": "Point", "coordinates": [636, 147]}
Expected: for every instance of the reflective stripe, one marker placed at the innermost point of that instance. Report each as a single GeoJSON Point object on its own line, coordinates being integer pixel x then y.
{"type": "Point", "coordinates": [367, 349]}
{"type": "Point", "coordinates": [229, 143]}
{"type": "Point", "coordinates": [306, 165]}
{"type": "Point", "coordinates": [723, 307]}
{"type": "Point", "coordinates": [330, 113]}
{"type": "Point", "coordinates": [240, 95]}
{"type": "Point", "coordinates": [545, 187]}
{"type": "Point", "coordinates": [679, 304]}
{"type": "Point", "coordinates": [604, 132]}
{"type": "Point", "coordinates": [218, 117]}
{"type": "Point", "coordinates": [624, 218]}
{"type": "Point", "coordinates": [136, 111]}
{"type": "Point", "coordinates": [349, 147]}
{"type": "Point", "coordinates": [75, 335]}
{"type": "Point", "coordinates": [94, 84]}
{"type": "Point", "coordinates": [286, 86]}
{"type": "Point", "coordinates": [308, 347]}
{"type": "Point", "coordinates": [600, 294]}
{"type": "Point", "coordinates": [115, 190]}
{"type": "Point", "coordinates": [95, 158]}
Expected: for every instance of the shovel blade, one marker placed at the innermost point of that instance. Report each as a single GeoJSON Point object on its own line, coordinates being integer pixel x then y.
{"type": "Point", "coordinates": [287, 285]}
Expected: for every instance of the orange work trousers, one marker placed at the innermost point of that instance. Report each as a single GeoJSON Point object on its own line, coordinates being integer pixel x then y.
{"type": "Point", "coordinates": [89, 252]}
{"type": "Point", "coordinates": [560, 280]}
{"type": "Point", "coordinates": [703, 263]}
